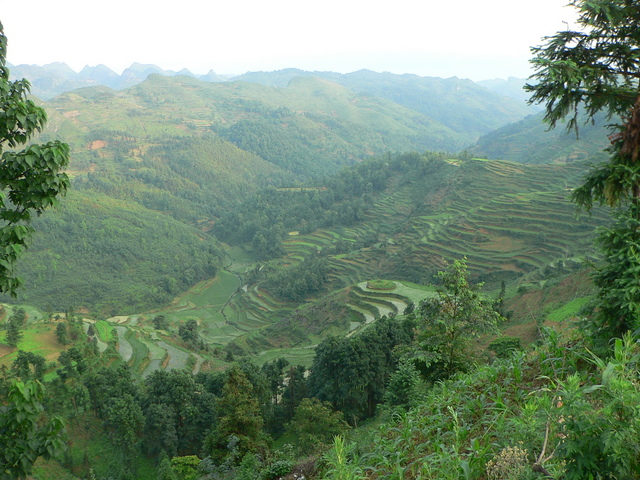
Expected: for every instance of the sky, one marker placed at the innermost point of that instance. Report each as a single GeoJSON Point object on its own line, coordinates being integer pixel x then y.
{"type": "Point", "coordinates": [464, 38]}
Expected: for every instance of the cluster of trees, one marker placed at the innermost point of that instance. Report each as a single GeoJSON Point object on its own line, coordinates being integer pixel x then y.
{"type": "Point", "coordinates": [297, 282]}
{"type": "Point", "coordinates": [138, 259]}
{"type": "Point", "coordinates": [352, 373]}
{"type": "Point", "coordinates": [271, 213]}
{"type": "Point", "coordinates": [222, 417]}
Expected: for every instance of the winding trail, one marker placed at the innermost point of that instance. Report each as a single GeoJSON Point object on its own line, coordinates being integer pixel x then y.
{"type": "Point", "coordinates": [198, 365]}
{"type": "Point", "coordinates": [177, 358]}
{"type": "Point", "coordinates": [124, 347]}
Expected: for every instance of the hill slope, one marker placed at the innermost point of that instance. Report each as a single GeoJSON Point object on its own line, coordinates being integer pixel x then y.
{"type": "Point", "coordinates": [530, 141]}
{"type": "Point", "coordinates": [463, 106]}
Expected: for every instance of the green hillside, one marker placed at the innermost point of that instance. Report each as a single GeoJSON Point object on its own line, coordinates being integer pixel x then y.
{"type": "Point", "coordinates": [461, 105]}
{"type": "Point", "coordinates": [310, 127]}
{"type": "Point", "coordinates": [112, 256]}
{"type": "Point", "coordinates": [530, 141]}
{"type": "Point", "coordinates": [194, 153]}
{"type": "Point", "coordinates": [512, 221]}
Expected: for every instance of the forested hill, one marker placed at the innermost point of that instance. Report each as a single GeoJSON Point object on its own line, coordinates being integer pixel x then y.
{"type": "Point", "coordinates": [462, 105]}
{"type": "Point", "coordinates": [311, 127]}
{"type": "Point", "coordinates": [157, 166]}
{"type": "Point", "coordinates": [530, 141]}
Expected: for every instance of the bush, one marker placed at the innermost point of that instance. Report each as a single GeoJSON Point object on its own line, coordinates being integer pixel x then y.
{"type": "Point", "coordinates": [503, 347]}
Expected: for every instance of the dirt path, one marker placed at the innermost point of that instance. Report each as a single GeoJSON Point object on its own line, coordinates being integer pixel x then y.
{"type": "Point", "coordinates": [124, 347]}
{"type": "Point", "coordinates": [177, 358]}
{"type": "Point", "coordinates": [198, 364]}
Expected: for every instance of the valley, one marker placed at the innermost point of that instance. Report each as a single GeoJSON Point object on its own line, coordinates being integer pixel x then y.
{"type": "Point", "coordinates": [248, 248]}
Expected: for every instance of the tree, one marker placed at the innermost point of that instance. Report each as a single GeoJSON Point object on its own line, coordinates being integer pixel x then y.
{"type": "Point", "coordinates": [403, 385]}
{"type": "Point", "coordinates": [454, 315]}
{"type": "Point", "coordinates": [160, 322]}
{"type": "Point", "coordinates": [31, 179]}
{"type": "Point", "coordinates": [315, 424]}
{"type": "Point", "coordinates": [160, 435]}
{"type": "Point", "coordinates": [19, 316]}
{"type": "Point", "coordinates": [14, 334]}
{"type": "Point", "coordinates": [178, 412]}
{"type": "Point", "coordinates": [61, 333]}
{"type": "Point", "coordinates": [124, 422]}
{"type": "Point", "coordinates": [597, 69]}
{"type": "Point", "coordinates": [238, 416]}
{"type": "Point", "coordinates": [24, 362]}
{"type": "Point", "coordinates": [295, 390]}
{"type": "Point", "coordinates": [189, 331]}
{"type": "Point", "coordinates": [23, 434]}
{"type": "Point", "coordinates": [352, 373]}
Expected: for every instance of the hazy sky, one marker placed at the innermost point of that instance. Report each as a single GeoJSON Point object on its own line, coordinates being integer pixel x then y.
{"type": "Point", "coordinates": [465, 38]}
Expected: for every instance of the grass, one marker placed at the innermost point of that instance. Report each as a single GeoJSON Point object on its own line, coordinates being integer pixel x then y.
{"type": "Point", "coordinates": [381, 285]}
{"type": "Point", "coordinates": [295, 355]}
{"type": "Point", "coordinates": [567, 310]}
{"type": "Point", "coordinates": [38, 338]}
{"type": "Point", "coordinates": [104, 330]}
{"type": "Point", "coordinates": [140, 357]}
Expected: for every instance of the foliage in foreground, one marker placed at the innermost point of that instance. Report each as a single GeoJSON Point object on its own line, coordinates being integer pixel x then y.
{"type": "Point", "coordinates": [596, 69]}
{"type": "Point", "coordinates": [24, 435]}
{"type": "Point", "coordinates": [559, 412]}
{"type": "Point", "coordinates": [31, 178]}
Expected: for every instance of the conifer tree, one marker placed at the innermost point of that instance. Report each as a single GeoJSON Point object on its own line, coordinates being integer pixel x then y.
{"type": "Point", "coordinates": [239, 417]}
{"type": "Point", "coordinates": [596, 68]}
{"type": "Point", "coordinates": [14, 334]}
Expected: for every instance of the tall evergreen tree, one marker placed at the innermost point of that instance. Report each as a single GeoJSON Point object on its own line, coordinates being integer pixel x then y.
{"type": "Point", "coordinates": [14, 334]}
{"type": "Point", "coordinates": [596, 68]}
{"type": "Point", "coordinates": [239, 417]}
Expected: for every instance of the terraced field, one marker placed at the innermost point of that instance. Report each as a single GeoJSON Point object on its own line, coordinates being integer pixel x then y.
{"type": "Point", "coordinates": [510, 220]}
{"type": "Point", "coordinates": [145, 350]}
{"type": "Point", "coordinates": [513, 222]}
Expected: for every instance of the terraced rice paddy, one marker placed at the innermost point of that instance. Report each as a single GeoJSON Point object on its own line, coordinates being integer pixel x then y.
{"type": "Point", "coordinates": [517, 232]}
{"type": "Point", "coordinates": [514, 234]}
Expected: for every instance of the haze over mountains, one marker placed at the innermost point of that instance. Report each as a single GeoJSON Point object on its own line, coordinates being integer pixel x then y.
{"type": "Point", "coordinates": [205, 153]}
{"type": "Point", "coordinates": [52, 79]}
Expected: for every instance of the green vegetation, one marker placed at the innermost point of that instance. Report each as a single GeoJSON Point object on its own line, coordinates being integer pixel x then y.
{"type": "Point", "coordinates": [31, 176]}
{"type": "Point", "coordinates": [596, 68]}
{"type": "Point", "coordinates": [458, 104]}
{"type": "Point", "coordinates": [122, 257]}
{"type": "Point", "coordinates": [381, 285]}
{"type": "Point", "coordinates": [23, 434]}
{"type": "Point", "coordinates": [427, 314]}
{"type": "Point", "coordinates": [530, 141]}
{"type": "Point", "coordinates": [454, 315]}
